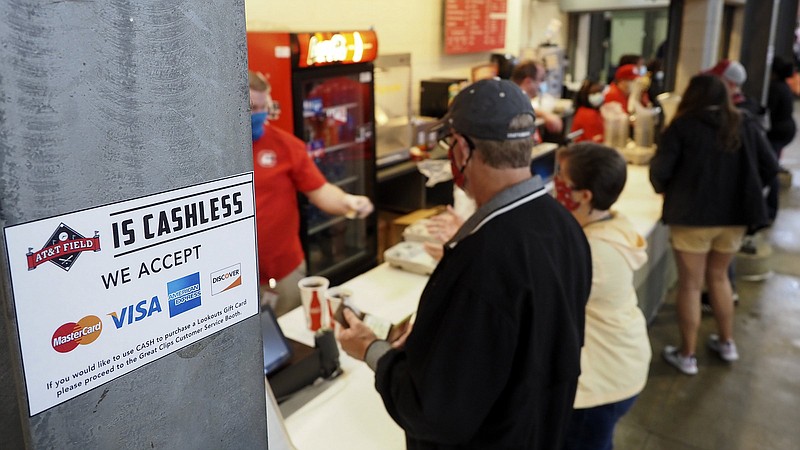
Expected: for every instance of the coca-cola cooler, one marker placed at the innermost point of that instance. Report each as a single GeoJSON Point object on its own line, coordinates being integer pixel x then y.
{"type": "Point", "coordinates": [323, 83]}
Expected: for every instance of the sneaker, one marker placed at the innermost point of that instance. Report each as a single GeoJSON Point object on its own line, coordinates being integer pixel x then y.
{"type": "Point", "coordinates": [726, 350]}
{"type": "Point", "coordinates": [749, 245]}
{"type": "Point", "coordinates": [705, 302]}
{"type": "Point", "coordinates": [686, 364]}
{"type": "Point", "coordinates": [735, 298]}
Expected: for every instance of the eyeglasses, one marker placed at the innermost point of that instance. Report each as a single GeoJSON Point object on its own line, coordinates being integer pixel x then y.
{"type": "Point", "coordinates": [448, 141]}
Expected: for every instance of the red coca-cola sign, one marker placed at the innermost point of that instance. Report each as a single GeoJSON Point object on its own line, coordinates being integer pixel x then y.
{"type": "Point", "coordinates": [321, 49]}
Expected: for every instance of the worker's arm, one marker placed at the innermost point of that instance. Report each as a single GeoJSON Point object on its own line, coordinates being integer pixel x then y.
{"type": "Point", "coordinates": [333, 200]}
{"type": "Point", "coordinates": [552, 121]}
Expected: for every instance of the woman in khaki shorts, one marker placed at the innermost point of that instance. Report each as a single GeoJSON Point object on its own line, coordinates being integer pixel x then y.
{"type": "Point", "coordinates": [711, 166]}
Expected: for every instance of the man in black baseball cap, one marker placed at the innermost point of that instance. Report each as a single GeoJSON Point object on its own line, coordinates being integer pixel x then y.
{"type": "Point", "coordinates": [494, 355]}
{"type": "Point", "coordinates": [496, 116]}
{"type": "Point", "coordinates": [485, 110]}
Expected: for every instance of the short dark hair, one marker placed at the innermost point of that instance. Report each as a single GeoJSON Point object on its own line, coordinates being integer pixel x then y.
{"type": "Point", "coordinates": [582, 96]}
{"type": "Point", "coordinates": [598, 168]}
{"type": "Point", "coordinates": [782, 68]}
{"type": "Point", "coordinates": [525, 69]}
{"type": "Point", "coordinates": [629, 58]}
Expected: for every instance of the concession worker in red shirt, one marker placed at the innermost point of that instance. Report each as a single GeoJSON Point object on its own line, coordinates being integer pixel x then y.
{"type": "Point", "coordinates": [281, 168]}
{"type": "Point", "coordinates": [620, 89]}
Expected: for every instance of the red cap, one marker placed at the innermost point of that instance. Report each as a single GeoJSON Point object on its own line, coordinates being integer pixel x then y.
{"type": "Point", "coordinates": [732, 71]}
{"type": "Point", "coordinates": [627, 72]}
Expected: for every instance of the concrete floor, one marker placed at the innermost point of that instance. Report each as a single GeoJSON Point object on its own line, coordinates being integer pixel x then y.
{"type": "Point", "coordinates": [753, 403]}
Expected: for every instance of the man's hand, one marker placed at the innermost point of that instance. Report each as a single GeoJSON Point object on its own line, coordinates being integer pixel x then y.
{"type": "Point", "coordinates": [358, 206]}
{"type": "Point", "coordinates": [442, 227]}
{"type": "Point", "coordinates": [553, 122]}
{"type": "Point", "coordinates": [355, 340]}
{"type": "Point", "coordinates": [400, 342]}
{"type": "Point", "coordinates": [334, 201]}
{"type": "Point", "coordinates": [445, 225]}
{"type": "Point", "coordinates": [436, 251]}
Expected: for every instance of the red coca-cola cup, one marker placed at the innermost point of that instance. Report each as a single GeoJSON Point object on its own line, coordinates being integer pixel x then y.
{"type": "Point", "coordinates": [313, 296]}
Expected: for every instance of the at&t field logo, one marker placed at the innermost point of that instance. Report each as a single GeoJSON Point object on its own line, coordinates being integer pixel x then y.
{"type": "Point", "coordinates": [84, 332]}
{"type": "Point", "coordinates": [63, 248]}
{"type": "Point", "coordinates": [227, 278]}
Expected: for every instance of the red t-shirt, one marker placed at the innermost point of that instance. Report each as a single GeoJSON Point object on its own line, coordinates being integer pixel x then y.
{"type": "Point", "coordinates": [615, 94]}
{"type": "Point", "coordinates": [590, 120]}
{"type": "Point", "coordinates": [281, 168]}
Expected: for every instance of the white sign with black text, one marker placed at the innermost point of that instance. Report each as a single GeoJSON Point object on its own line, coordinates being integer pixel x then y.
{"type": "Point", "coordinates": [103, 291]}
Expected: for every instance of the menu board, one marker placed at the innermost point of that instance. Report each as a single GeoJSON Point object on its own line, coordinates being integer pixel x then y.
{"type": "Point", "coordinates": [474, 25]}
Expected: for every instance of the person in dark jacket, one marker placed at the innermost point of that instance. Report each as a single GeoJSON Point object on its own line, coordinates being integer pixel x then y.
{"type": "Point", "coordinates": [733, 74]}
{"type": "Point", "coordinates": [493, 359]}
{"type": "Point", "coordinates": [711, 166]}
{"type": "Point", "coordinates": [780, 102]}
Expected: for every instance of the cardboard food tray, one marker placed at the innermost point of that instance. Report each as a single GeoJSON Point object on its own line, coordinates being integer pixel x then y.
{"type": "Point", "coordinates": [411, 257]}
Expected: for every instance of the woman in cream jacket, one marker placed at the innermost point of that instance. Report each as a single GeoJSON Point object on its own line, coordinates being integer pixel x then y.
{"type": "Point", "coordinates": [616, 354]}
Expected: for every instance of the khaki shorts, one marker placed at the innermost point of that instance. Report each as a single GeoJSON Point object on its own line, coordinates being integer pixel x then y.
{"type": "Point", "coordinates": [704, 239]}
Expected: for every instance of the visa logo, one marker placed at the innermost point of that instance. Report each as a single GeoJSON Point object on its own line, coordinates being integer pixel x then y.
{"type": "Point", "coordinates": [135, 313]}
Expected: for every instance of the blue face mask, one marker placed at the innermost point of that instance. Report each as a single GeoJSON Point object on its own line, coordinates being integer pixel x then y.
{"type": "Point", "coordinates": [542, 88]}
{"type": "Point", "coordinates": [257, 122]}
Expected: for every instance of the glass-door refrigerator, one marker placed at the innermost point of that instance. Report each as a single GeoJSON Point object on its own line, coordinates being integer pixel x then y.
{"type": "Point", "coordinates": [323, 83]}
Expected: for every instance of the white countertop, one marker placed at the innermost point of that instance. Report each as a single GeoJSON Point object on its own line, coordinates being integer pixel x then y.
{"type": "Point", "coordinates": [638, 201]}
{"type": "Point", "coordinates": [347, 412]}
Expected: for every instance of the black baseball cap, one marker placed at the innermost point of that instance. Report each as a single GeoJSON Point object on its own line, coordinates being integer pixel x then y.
{"type": "Point", "coordinates": [485, 109]}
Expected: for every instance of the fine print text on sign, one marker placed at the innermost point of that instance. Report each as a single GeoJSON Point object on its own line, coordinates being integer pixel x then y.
{"type": "Point", "coordinates": [101, 292]}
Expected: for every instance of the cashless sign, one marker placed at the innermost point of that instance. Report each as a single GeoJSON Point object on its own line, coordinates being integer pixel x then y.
{"type": "Point", "coordinates": [101, 292]}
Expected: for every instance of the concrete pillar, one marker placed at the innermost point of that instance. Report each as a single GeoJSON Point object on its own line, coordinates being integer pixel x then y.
{"type": "Point", "coordinates": [699, 41]}
{"type": "Point", "coordinates": [784, 31]}
{"type": "Point", "coordinates": [581, 58]}
{"type": "Point", "coordinates": [598, 54]}
{"type": "Point", "coordinates": [516, 26]}
{"type": "Point", "coordinates": [102, 102]}
{"type": "Point", "coordinates": [672, 47]}
{"type": "Point", "coordinates": [757, 51]}
{"type": "Point", "coordinates": [737, 33]}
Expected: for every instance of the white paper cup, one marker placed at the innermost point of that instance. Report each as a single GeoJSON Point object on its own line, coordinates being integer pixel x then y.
{"type": "Point", "coordinates": [335, 297]}
{"type": "Point", "coordinates": [313, 297]}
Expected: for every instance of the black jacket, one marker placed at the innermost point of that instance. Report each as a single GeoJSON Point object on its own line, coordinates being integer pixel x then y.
{"type": "Point", "coordinates": [780, 102]}
{"type": "Point", "coordinates": [494, 356]}
{"type": "Point", "coordinates": [706, 185]}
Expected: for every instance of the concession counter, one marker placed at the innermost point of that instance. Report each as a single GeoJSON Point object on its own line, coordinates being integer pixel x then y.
{"type": "Point", "coordinates": [347, 411]}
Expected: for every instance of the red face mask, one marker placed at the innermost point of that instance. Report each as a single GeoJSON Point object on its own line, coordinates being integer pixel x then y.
{"type": "Point", "coordinates": [564, 194]}
{"type": "Point", "coordinates": [458, 174]}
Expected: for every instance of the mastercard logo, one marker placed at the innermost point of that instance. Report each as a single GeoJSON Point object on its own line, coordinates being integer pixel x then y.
{"type": "Point", "coordinates": [69, 335]}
